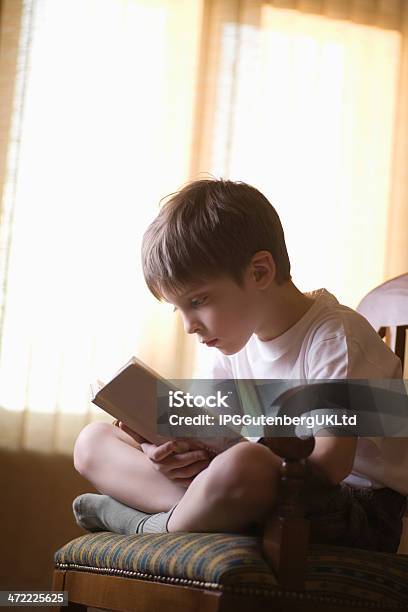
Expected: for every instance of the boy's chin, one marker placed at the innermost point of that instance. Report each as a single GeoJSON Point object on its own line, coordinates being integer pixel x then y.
{"type": "Point", "coordinates": [230, 350]}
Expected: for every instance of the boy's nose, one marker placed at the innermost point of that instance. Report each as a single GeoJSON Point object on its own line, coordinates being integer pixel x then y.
{"type": "Point", "coordinates": [190, 326]}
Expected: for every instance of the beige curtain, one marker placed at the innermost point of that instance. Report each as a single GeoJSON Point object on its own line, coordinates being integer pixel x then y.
{"type": "Point", "coordinates": [10, 71]}
{"type": "Point", "coordinates": [397, 236]}
{"type": "Point", "coordinates": [234, 88]}
{"type": "Point", "coordinates": [393, 15]}
{"type": "Point", "coordinates": [104, 132]}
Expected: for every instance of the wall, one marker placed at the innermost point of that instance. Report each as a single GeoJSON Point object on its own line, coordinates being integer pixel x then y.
{"type": "Point", "coordinates": [36, 517]}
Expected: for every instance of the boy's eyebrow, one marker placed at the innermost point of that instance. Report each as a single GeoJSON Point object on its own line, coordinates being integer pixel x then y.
{"type": "Point", "coordinates": [195, 292]}
{"type": "Point", "coordinates": [198, 290]}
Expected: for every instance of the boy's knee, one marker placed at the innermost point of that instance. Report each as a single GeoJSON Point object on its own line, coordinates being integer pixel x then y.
{"type": "Point", "coordinates": [246, 473]}
{"type": "Point", "coordinates": [87, 444]}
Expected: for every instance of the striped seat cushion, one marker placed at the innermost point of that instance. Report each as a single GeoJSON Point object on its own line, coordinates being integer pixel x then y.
{"type": "Point", "coordinates": [232, 562]}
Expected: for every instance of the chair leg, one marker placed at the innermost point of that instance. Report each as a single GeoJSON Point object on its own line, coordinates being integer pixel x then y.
{"type": "Point", "coordinates": [58, 580]}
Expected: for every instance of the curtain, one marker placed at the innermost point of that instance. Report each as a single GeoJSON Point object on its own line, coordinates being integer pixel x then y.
{"type": "Point", "coordinates": [105, 122]}
{"type": "Point", "coordinates": [397, 236]}
{"type": "Point", "coordinates": [114, 104]}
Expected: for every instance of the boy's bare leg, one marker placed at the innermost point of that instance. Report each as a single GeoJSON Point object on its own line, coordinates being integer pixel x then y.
{"type": "Point", "coordinates": [237, 488]}
{"type": "Point", "coordinates": [114, 463]}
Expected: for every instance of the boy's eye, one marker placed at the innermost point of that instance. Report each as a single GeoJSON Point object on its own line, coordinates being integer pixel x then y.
{"type": "Point", "coordinates": [198, 301]}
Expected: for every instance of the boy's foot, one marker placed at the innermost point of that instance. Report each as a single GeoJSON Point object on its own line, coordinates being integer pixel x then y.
{"type": "Point", "coordinates": [95, 512]}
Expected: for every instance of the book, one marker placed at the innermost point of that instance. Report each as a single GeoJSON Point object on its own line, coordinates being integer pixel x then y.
{"type": "Point", "coordinates": [132, 396]}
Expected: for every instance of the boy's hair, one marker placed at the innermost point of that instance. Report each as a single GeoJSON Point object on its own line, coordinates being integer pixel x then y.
{"type": "Point", "coordinates": [211, 228]}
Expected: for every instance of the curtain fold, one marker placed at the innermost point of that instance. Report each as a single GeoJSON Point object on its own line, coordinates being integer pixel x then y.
{"type": "Point", "coordinates": [11, 13]}
{"type": "Point", "coordinates": [105, 134]}
{"type": "Point", "coordinates": [379, 13]}
{"type": "Point", "coordinates": [397, 235]}
{"type": "Point", "coordinates": [10, 24]}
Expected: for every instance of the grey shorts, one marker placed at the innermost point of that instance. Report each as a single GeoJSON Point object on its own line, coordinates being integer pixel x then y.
{"type": "Point", "coordinates": [356, 517]}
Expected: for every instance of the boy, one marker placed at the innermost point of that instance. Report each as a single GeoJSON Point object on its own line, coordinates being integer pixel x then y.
{"type": "Point", "coordinates": [217, 252]}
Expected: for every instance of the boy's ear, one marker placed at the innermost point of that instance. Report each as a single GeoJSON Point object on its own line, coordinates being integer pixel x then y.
{"type": "Point", "coordinates": [263, 269]}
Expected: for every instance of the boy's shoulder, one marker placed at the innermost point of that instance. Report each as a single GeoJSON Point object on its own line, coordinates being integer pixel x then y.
{"type": "Point", "coordinates": [338, 330]}
{"type": "Point", "coordinates": [332, 320]}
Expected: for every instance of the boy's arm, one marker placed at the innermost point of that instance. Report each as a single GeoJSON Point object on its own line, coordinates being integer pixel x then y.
{"type": "Point", "coordinates": [332, 458]}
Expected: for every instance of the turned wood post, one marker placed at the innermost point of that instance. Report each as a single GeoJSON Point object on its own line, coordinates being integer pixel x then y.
{"type": "Point", "coordinates": [286, 533]}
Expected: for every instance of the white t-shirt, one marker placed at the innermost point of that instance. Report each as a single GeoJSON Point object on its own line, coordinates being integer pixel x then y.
{"type": "Point", "coordinates": [329, 341]}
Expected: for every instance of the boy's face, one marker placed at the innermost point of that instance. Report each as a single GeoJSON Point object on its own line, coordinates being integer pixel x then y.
{"type": "Point", "coordinates": [219, 311]}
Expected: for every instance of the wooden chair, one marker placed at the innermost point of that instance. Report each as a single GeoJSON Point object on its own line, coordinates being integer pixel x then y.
{"type": "Point", "coordinates": [386, 308]}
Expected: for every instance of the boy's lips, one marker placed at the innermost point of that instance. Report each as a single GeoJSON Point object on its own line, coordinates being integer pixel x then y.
{"type": "Point", "coordinates": [209, 342]}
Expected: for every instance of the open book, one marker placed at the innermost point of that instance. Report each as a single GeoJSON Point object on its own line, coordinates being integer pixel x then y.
{"type": "Point", "coordinates": [132, 397]}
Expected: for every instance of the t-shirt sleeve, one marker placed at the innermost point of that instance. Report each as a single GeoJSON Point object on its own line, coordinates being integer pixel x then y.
{"type": "Point", "coordinates": [328, 359]}
{"type": "Point", "coordinates": [350, 349]}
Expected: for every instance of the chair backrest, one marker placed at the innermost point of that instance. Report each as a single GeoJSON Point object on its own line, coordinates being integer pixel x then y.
{"type": "Point", "coordinates": [386, 308]}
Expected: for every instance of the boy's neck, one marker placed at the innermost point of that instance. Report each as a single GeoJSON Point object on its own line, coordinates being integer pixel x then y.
{"type": "Point", "coordinates": [284, 306]}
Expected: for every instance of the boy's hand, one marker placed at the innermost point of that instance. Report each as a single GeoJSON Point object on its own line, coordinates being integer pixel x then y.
{"type": "Point", "coordinates": [176, 461]}
{"type": "Point", "coordinates": [179, 460]}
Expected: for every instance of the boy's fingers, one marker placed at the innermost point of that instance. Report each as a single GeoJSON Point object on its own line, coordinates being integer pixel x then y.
{"type": "Point", "coordinates": [166, 458]}
{"type": "Point", "coordinates": [186, 444]}
{"type": "Point", "coordinates": [182, 459]}
{"type": "Point", "coordinates": [158, 453]}
{"type": "Point", "coordinates": [182, 446]}
{"type": "Point", "coordinates": [148, 448]}
{"type": "Point", "coordinates": [189, 470]}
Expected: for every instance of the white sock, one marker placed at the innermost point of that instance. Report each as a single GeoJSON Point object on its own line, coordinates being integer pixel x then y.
{"type": "Point", "coordinates": [95, 512]}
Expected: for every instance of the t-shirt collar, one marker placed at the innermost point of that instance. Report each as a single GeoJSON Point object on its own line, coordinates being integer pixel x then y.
{"type": "Point", "coordinates": [273, 349]}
